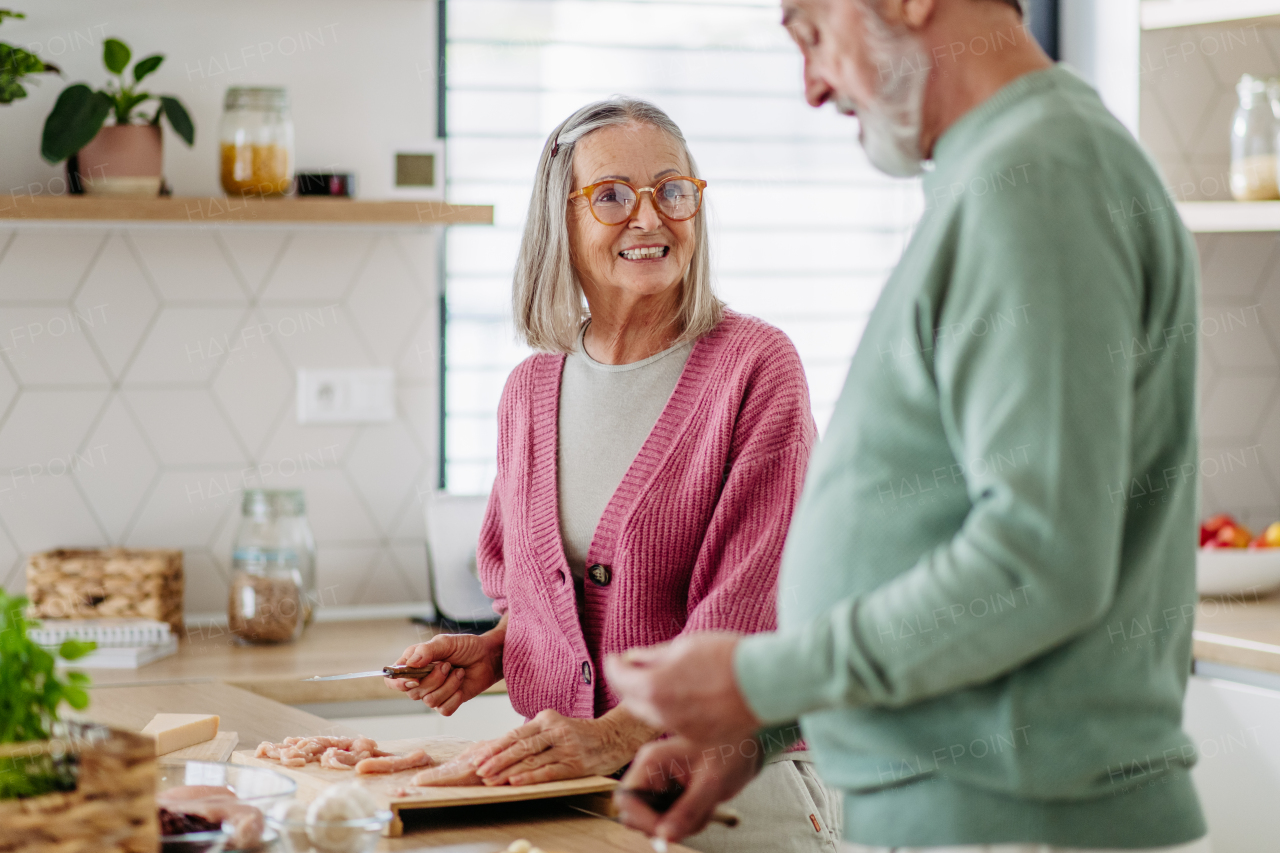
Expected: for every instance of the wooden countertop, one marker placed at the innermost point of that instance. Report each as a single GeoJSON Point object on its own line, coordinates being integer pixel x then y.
{"type": "Point", "coordinates": [208, 653]}
{"type": "Point", "coordinates": [1241, 630]}
{"type": "Point", "coordinates": [550, 824]}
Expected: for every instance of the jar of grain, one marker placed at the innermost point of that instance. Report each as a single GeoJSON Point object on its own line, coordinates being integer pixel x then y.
{"type": "Point", "coordinates": [1253, 140]}
{"type": "Point", "coordinates": [256, 142]}
{"type": "Point", "coordinates": [273, 577]}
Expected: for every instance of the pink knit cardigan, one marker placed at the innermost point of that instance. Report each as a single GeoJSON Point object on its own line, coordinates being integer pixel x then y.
{"type": "Point", "coordinates": [692, 538]}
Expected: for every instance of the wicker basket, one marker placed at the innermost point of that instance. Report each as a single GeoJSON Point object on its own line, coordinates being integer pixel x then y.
{"type": "Point", "coordinates": [112, 809]}
{"type": "Point", "coordinates": [67, 584]}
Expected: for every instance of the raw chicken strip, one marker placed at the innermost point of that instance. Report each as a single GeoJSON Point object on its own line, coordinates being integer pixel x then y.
{"type": "Point", "coordinates": [338, 759]}
{"type": "Point", "coordinates": [395, 763]}
{"type": "Point", "coordinates": [456, 771]}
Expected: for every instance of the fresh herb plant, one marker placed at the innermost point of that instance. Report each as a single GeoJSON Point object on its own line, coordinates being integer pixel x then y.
{"type": "Point", "coordinates": [31, 692]}
{"type": "Point", "coordinates": [81, 112]}
{"type": "Point", "coordinates": [16, 63]}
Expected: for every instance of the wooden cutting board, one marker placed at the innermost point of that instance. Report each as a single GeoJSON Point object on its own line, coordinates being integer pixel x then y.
{"type": "Point", "coordinates": [218, 749]}
{"type": "Point", "coordinates": [313, 779]}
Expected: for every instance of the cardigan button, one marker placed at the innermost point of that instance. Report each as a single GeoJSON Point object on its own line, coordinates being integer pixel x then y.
{"type": "Point", "coordinates": [586, 672]}
{"type": "Point", "coordinates": [600, 574]}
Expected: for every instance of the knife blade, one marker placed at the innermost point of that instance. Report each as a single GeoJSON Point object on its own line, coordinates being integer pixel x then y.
{"type": "Point", "coordinates": [385, 672]}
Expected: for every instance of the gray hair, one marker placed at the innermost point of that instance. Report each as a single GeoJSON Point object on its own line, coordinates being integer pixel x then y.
{"type": "Point", "coordinates": [547, 299]}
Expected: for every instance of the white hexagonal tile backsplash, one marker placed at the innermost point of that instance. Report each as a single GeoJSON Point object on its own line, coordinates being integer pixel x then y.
{"type": "Point", "coordinates": [149, 379]}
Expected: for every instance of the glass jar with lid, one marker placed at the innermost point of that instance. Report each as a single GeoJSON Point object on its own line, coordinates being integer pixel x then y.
{"type": "Point", "coordinates": [1254, 140]}
{"type": "Point", "coordinates": [256, 142]}
{"type": "Point", "coordinates": [273, 575]}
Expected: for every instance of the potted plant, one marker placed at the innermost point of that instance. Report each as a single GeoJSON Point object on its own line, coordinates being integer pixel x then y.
{"type": "Point", "coordinates": [31, 692]}
{"type": "Point", "coordinates": [124, 158]}
{"type": "Point", "coordinates": [16, 63]}
{"type": "Point", "coordinates": [65, 784]}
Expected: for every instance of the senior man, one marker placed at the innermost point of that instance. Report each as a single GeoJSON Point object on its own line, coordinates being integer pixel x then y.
{"type": "Point", "coordinates": [1002, 492]}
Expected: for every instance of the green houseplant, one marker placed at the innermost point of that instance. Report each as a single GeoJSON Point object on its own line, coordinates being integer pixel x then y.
{"type": "Point", "coordinates": [31, 692]}
{"type": "Point", "coordinates": [16, 63]}
{"type": "Point", "coordinates": [124, 157]}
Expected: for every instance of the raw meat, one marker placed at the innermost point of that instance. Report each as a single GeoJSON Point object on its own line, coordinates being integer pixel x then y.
{"type": "Point", "coordinates": [395, 763]}
{"type": "Point", "coordinates": [216, 804]}
{"type": "Point", "coordinates": [457, 771]}
{"type": "Point", "coordinates": [339, 753]}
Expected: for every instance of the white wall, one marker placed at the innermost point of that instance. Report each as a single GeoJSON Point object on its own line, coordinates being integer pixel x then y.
{"type": "Point", "coordinates": [147, 377]}
{"type": "Point", "coordinates": [1099, 39]}
{"type": "Point", "coordinates": [361, 77]}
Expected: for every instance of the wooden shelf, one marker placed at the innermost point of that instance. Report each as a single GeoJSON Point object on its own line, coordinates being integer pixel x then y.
{"type": "Point", "coordinates": [214, 211]}
{"type": "Point", "coordinates": [1217, 217]}
{"type": "Point", "coordinates": [1164, 14]}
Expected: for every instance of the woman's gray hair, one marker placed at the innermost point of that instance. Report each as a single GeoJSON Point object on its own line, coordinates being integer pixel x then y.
{"type": "Point", "coordinates": [547, 297]}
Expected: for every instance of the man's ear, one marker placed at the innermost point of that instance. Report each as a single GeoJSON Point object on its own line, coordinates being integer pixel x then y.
{"type": "Point", "coordinates": [915, 15]}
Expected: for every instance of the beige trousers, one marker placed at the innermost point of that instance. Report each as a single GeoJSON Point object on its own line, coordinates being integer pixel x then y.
{"type": "Point", "coordinates": [1201, 846]}
{"type": "Point", "coordinates": [786, 809]}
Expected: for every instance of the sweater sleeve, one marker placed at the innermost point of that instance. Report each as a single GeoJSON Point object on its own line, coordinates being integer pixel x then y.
{"type": "Point", "coordinates": [490, 558]}
{"type": "Point", "coordinates": [1044, 531]}
{"type": "Point", "coordinates": [490, 564]}
{"type": "Point", "coordinates": [735, 576]}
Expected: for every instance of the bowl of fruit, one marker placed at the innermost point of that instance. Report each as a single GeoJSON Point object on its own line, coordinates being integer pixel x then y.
{"type": "Point", "coordinates": [1232, 560]}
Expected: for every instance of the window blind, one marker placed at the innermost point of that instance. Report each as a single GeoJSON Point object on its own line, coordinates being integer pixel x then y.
{"type": "Point", "coordinates": [803, 230]}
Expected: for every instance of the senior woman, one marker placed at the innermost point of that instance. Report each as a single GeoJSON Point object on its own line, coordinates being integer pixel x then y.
{"type": "Point", "coordinates": [649, 459]}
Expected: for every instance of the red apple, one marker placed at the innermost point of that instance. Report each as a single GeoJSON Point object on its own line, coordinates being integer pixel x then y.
{"type": "Point", "coordinates": [1233, 536]}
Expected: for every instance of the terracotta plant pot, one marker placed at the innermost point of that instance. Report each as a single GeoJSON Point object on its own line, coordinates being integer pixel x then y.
{"type": "Point", "coordinates": [123, 160]}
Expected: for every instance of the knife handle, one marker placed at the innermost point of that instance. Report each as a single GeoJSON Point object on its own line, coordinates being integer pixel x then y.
{"type": "Point", "coordinates": [408, 671]}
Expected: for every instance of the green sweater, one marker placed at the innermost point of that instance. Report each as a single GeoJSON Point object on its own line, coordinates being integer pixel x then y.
{"type": "Point", "coordinates": [986, 598]}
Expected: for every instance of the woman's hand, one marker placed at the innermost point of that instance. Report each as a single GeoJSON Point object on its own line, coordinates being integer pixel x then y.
{"type": "Point", "coordinates": [466, 666]}
{"type": "Point", "coordinates": [552, 746]}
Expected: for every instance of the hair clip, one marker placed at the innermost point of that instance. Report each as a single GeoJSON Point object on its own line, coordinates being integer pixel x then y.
{"type": "Point", "coordinates": [555, 148]}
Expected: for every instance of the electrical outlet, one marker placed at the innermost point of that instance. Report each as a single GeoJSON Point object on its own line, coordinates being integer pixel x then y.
{"type": "Point", "coordinates": [365, 396]}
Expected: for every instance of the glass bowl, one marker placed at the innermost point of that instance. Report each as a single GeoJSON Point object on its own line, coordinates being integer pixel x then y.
{"type": "Point", "coordinates": [257, 786]}
{"type": "Point", "coordinates": [213, 841]}
{"type": "Point", "coordinates": [331, 836]}
{"type": "Point", "coordinates": [254, 786]}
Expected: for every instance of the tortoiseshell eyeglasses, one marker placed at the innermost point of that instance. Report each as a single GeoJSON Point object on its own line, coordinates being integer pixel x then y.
{"type": "Point", "coordinates": [614, 202]}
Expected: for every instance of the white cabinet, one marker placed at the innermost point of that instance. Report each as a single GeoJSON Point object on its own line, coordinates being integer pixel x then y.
{"type": "Point", "coordinates": [1236, 729]}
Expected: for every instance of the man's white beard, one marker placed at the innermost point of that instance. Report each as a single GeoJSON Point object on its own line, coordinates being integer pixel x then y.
{"type": "Point", "coordinates": [891, 121]}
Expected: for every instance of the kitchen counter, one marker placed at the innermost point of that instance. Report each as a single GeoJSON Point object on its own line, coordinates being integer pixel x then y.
{"type": "Point", "coordinates": [207, 653]}
{"type": "Point", "coordinates": [550, 824]}
{"type": "Point", "coordinates": [1241, 631]}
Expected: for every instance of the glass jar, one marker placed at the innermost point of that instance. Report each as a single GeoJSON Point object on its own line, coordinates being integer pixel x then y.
{"type": "Point", "coordinates": [257, 142]}
{"type": "Point", "coordinates": [273, 569]}
{"type": "Point", "coordinates": [1253, 140]}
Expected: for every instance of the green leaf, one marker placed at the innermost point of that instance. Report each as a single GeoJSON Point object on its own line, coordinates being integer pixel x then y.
{"type": "Point", "coordinates": [146, 66]}
{"type": "Point", "coordinates": [77, 117]}
{"type": "Point", "coordinates": [124, 104]}
{"type": "Point", "coordinates": [178, 118]}
{"type": "Point", "coordinates": [76, 698]}
{"type": "Point", "coordinates": [79, 679]}
{"type": "Point", "coordinates": [116, 55]}
{"type": "Point", "coordinates": [5, 13]}
{"type": "Point", "coordinates": [75, 649]}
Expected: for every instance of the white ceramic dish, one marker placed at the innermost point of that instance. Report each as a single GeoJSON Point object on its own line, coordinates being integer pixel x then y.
{"type": "Point", "coordinates": [1235, 571]}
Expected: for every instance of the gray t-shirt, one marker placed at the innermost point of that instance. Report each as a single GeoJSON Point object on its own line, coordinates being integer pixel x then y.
{"type": "Point", "coordinates": [606, 413]}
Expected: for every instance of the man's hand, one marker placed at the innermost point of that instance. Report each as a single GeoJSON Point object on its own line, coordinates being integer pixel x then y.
{"type": "Point", "coordinates": [466, 666]}
{"type": "Point", "coordinates": [552, 746]}
{"type": "Point", "coordinates": [686, 687]}
{"type": "Point", "coordinates": [709, 776]}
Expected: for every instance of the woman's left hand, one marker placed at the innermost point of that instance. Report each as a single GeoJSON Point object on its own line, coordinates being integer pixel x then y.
{"type": "Point", "coordinates": [552, 746]}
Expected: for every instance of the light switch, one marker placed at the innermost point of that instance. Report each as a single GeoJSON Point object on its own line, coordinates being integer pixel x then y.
{"type": "Point", "coordinates": [365, 396]}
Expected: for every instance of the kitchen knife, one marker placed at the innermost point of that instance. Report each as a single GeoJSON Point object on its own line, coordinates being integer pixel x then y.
{"type": "Point", "coordinates": [385, 672]}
